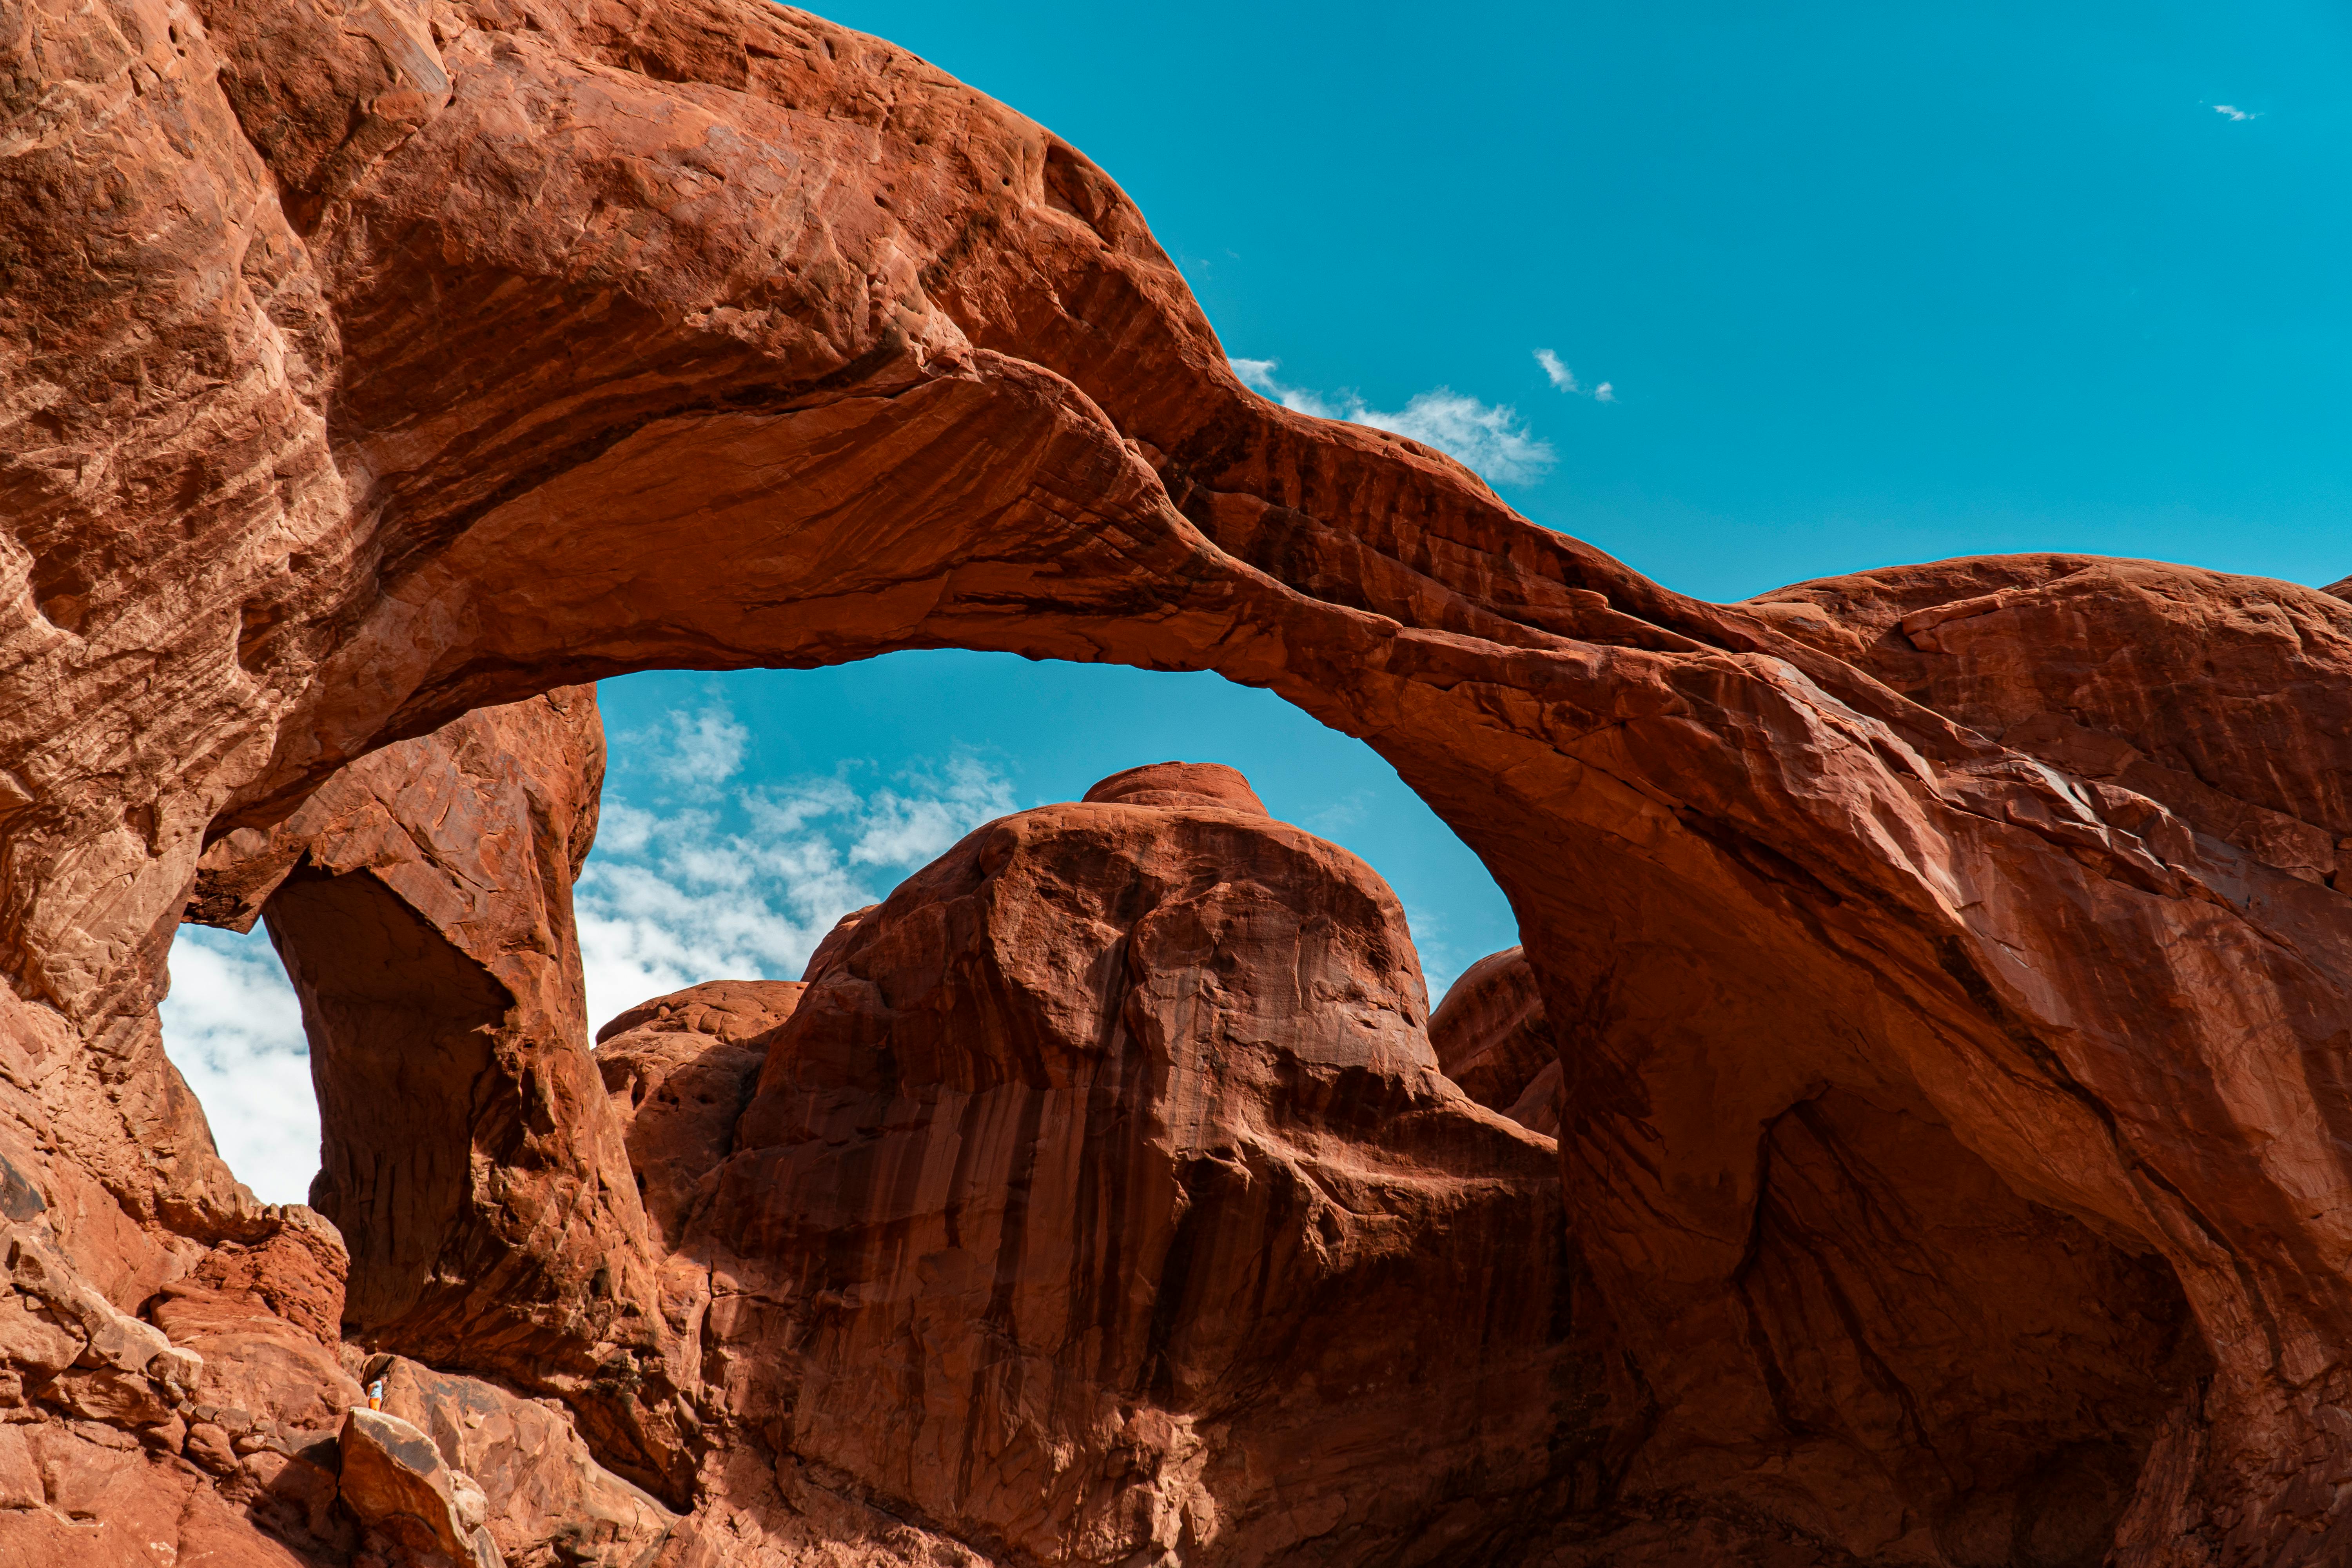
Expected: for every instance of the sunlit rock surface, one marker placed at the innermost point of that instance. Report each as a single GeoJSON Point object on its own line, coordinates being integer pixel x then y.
{"type": "Point", "coordinates": [1070, 1194]}
{"type": "Point", "coordinates": [422, 901]}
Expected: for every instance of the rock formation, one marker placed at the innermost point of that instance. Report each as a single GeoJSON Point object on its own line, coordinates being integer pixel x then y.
{"type": "Point", "coordinates": [1088, 1160]}
{"type": "Point", "coordinates": [422, 901]}
{"type": "Point", "coordinates": [2079, 661]}
{"type": "Point", "coordinates": [542, 1498]}
{"type": "Point", "coordinates": [681, 1070]}
{"type": "Point", "coordinates": [416, 1508]}
{"type": "Point", "coordinates": [1493, 1038]}
{"type": "Point", "coordinates": [1946, 965]}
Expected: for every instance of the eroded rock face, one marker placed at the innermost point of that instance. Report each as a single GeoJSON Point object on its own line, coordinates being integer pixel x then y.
{"type": "Point", "coordinates": [1493, 1037]}
{"type": "Point", "coordinates": [422, 901]}
{"type": "Point", "coordinates": [415, 1507]}
{"type": "Point", "coordinates": [681, 1070]}
{"type": "Point", "coordinates": [544, 1499]}
{"type": "Point", "coordinates": [1075, 1180]}
{"type": "Point", "coordinates": [2080, 661]}
{"type": "Point", "coordinates": [194, 1434]}
{"type": "Point", "coordinates": [363, 368]}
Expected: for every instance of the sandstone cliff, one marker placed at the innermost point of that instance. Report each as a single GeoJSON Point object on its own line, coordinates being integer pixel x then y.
{"type": "Point", "coordinates": [1076, 1181]}
{"type": "Point", "coordinates": [1947, 966]}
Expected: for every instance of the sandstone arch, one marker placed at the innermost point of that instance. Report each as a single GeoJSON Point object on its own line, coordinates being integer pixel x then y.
{"type": "Point", "coordinates": [368, 368]}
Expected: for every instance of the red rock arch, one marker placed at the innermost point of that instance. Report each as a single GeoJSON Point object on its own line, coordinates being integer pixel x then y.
{"type": "Point", "coordinates": [403, 363]}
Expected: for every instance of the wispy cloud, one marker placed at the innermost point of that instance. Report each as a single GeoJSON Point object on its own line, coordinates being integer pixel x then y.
{"type": "Point", "coordinates": [912, 828]}
{"type": "Point", "coordinates": [1564, 379]}
{"type": "Point", "coordinates": [1340, 814]}
{"type": "Point", "coordinates": [700, 751]}
{"type": "Point", "coordinates": [1487, 438]}
{"type": "Point", "coordinates": [1442, 960]}
{"type": "Point", "coordinates": [2231, 111]}
{"type": "Point", "coordinates": [234, 1029]}
{"type": "Point", "coordinates": [1258, 374]}
{"type": "Point", "coordinates": [744, 883]}
{"type": "Point", "coordinates": [1560, 374]}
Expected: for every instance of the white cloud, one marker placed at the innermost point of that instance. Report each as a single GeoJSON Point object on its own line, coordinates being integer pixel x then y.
{"type": "Point", "coordinates": [1257, 374]}
{"type": "Point", "coordinates": [1487, 438]}
{"type": "Point", "coordinates": [2231, 111]}
{"type": "Point", "coordinates": [746, 888]}
{"type": "Point", "coordinates": [623, 829]}
{"type": "Point", "coordinates": [234, 1029]}
{"type": "Point", "coordinates": [1490, 439]}
{"type": "Point", "coordinates": [702, 751]}
{"type": "Point", "coordinates": [1564, 379]}
{"type": "Point", "coordinates": [1339, 815]}
{"type": "Point", "coordinates": [913, 829]}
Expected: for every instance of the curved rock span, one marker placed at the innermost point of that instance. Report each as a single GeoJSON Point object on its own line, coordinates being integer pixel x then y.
{"type": "Point", "coordinates": [1910, 1133]}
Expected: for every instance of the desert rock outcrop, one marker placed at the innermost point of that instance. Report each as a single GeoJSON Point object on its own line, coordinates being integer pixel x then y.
{"type": "Point", "coordinates": [422, 901]}
{"type": "Point", "coordinates": [681, 1070]}
{"type": "Point", "coordinates": [1077, 1182]}
{"type": "Point", "coordinates": [360, 369]}
{"type": "Point", "coordinates": [415, 1507]}
{"type": "Point", "coordinates": [2080, 661]}
{"type": "Point", "coordinates": [542, 1498]}
{"type": "Point", "coordinates": [1493, 1037]}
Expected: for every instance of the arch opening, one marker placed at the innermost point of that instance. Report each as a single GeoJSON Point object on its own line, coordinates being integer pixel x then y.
{"type": "Point", "coordinates": [743, 813]}
{"type": "Point", "coordinates": [445, 1287]}
{"type": "Point", "coordinates": [424, 903]}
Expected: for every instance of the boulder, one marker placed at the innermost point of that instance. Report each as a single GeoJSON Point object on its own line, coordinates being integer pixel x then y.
{"type": "Point", "coordinates": [546, 1503]}
{"type": "Point", "coordinates": [418, 1512]}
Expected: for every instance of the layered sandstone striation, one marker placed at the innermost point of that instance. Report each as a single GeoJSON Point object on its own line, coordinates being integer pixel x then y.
{"type": "Point", "coordinates": [1949, 967]}
{"type": "Point", "coordinates": [1927, 1366]}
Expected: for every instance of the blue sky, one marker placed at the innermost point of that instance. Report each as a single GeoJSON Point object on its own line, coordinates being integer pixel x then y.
{"type": "Point", "coordinates": [1865, 284]}
{"type": "Point", "coordinates": [1870, 284]}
